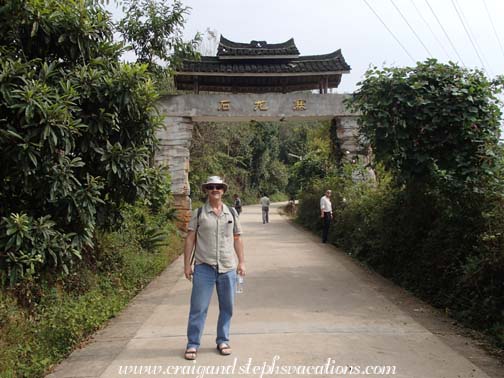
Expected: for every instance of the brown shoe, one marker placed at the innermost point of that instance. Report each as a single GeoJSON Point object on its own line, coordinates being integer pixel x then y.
{"type": "Point", "coordinates": [224, 349]}
{"type": "Point", "coordinates": [190, 354]}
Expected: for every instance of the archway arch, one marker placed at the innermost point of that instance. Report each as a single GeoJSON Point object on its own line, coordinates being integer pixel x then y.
{"type": "Point", "coordinates": [182, 111]}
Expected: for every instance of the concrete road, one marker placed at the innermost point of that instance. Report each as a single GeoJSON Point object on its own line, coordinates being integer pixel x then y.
{"type": "Point", "coordinates": [307, 310]}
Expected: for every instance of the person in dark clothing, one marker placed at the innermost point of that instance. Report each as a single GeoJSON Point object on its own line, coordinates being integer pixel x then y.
{"type": "Point", "coordinates": [237, 204]}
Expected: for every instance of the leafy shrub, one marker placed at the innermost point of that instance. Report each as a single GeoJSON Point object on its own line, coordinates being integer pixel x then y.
{"type": "Point", "coordinates": [156, 185]}
{"type": "Point", "coordinates": [432, 123]}
{"type": "Point", "coordinates": [27, 245]}
{"type": "Point", "coordinates": [63, 313]}
{"type": "Point", "coordinates": [77, 134]}
{"type": "Point", "coordinates": [148, 230]}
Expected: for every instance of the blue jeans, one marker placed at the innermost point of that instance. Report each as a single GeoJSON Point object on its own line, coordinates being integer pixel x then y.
{"type": "Point", "coordinates": [204, 279]}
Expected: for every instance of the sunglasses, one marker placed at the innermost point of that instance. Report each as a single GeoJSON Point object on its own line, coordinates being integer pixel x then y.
{"type": "Point", "coordinates": [214, 187]}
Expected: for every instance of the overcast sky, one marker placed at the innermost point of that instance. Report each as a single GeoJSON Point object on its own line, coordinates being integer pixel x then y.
{"type": "Point", "coordinates": [323, 26]}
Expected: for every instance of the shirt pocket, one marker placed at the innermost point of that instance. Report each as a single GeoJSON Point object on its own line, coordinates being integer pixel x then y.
{"type": "Point", "coordinates": [229, 227]}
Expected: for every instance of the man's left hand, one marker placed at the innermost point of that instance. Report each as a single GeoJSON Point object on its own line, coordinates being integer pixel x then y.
{"type": "Point", "coordinates": [241, 269]}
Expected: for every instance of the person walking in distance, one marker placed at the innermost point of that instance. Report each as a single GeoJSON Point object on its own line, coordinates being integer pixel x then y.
{"type": "Point", "coordinates": [237, 204]}
{"type": "Point", "coordinates": [265, 203]}
{"type": "Point", "coordinates": [214, 233]}
{"type": "Point", "coordinates": [326, 214]}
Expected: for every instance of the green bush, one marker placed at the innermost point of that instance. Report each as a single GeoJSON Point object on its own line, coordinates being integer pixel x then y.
{"type": "Point", "coordinates": [42, 322]}
{"type": "Point", "coordinates": [29, 244]}
{"type": "Point", "coordinates": [77, 134]}
{"type": "Point", "coordinates": [149, 230]}
{"type": "Point", "coordinates": [436, 124]}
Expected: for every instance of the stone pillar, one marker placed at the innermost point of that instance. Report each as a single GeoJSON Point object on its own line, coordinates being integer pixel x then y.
{"type": "Point", "coordinates": [348, 134]}
{"type": "Point", "coordinates": [350, 144]}
{"type": "Point", "coordinates": [174, 142]}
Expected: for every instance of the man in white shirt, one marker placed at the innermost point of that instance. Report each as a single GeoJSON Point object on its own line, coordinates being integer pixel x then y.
{"type": "Point", "coordinates": [326, 214]}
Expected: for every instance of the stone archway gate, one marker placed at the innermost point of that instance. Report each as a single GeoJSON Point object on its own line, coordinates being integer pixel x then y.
{"type": "Point", "coordinates": [182, 111]}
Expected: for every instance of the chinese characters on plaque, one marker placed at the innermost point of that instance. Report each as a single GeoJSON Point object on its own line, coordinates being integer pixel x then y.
{"type": "Point", "coordinates": [224, 106]}
{"type": "Point", "coordinates": [261, 105]}
{"type": "Point", "coordinates": [299, 105]}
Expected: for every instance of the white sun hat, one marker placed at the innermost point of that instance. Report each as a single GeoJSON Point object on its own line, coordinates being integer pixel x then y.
{"type": "Point", "coordinates": [214, 180]}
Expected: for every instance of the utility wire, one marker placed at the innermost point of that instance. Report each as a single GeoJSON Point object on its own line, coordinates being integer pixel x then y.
{"type": "Point", "coordinates": [411, 28]}
{"type": "Point", "coordinates": [445, 33]}
{"type": "Point", "coordinates": [390, 31]}
{"type": "Point", "coordinates": [473, 36]}
{"type": "Point", "coordinates": [493, 27]}
{"type": "Point", "coordinates": [468, 35]}
{"type": "Point", "coordinates": [432, 31]}
{"type": "Point", "coordinates": [486, 66]}
{"type": "Point", "coordinates": [466, 20]}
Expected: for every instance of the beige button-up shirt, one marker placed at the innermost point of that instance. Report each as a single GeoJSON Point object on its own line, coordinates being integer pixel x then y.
{"type": "Point", "coordinates": [215, 237]}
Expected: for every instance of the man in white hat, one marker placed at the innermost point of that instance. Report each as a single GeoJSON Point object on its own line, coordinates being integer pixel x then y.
{"type": "Point", "coordinates": [214, 231]}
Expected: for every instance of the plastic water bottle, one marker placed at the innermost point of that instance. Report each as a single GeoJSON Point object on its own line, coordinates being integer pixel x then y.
{"type": "Point", "coordinates": [239, 283]}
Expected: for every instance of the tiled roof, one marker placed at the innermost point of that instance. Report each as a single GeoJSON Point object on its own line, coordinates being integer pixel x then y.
{"type": "Point", "coordinates": [333, 62]}
{"type": "Point", "coordinates": [229, 48]}
{"type": "Point", "coordinates": [247, 84]}
{"type": "Point", "coordinates": [259, 67]}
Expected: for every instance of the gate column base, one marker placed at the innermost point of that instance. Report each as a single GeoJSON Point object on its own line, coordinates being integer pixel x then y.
{"type": "Point", "coordinates": [181, 205]}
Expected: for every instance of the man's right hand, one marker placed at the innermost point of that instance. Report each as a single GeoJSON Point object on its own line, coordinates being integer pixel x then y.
{"type": "Point", "coordinates": [188, 272]}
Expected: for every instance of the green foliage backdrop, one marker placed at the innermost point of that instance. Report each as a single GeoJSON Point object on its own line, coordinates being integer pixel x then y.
{"type": "Point", "coordinates": [254, 158]}
{"type": "Point", "coordinates": [433, 220]}
{"type": "Point", "coordinates": [431, 122]}
{"type": "Point", "coordinates": [77, 133]}
{"type": "Point", "coordinates": [85, 221]}
{"type": "Point", "coordinates": [259, 157]}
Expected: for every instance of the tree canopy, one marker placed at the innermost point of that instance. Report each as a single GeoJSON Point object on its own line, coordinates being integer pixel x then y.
{"type": "Point", "coordinates": [432, 121]}
{"type": "Point", "coordinates": [77, 129]}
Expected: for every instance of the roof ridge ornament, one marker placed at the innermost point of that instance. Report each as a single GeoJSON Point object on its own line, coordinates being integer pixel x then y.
{"type": "Point", "coordinates": [257, 48]}
{"type": "Point", "coordinates": [258, 44]}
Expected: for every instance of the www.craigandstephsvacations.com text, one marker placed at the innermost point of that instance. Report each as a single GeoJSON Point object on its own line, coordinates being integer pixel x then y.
{"type": "Point", "coordinates": [261, 369]}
